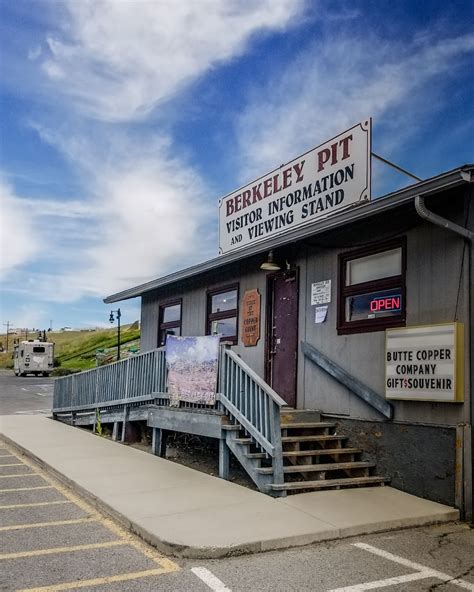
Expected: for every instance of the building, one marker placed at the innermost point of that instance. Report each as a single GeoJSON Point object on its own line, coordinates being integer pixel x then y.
{"type": "Point", "coordinates": [316, 310]}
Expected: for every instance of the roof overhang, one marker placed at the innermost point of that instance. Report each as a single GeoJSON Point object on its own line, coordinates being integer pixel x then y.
{"type": "Point", "coordinates": [450, 179]}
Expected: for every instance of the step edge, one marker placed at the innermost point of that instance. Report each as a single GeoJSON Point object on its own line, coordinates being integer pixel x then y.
{"type": "Point", "coordinates": [328, 483]}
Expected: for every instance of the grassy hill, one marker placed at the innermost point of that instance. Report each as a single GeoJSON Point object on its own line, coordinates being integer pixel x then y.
{"type": "Point", "coordinates": [76, 349]}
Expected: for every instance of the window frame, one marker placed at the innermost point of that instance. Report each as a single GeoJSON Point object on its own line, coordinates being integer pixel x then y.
{"type": "Point", "coordinates": [170, 324]}
{"type": "Point", "coordinates": [397, 281]}
{"type": "Point", "coordinates": [226, 314]}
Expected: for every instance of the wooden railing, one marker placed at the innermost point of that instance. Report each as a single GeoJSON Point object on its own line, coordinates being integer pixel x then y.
{"type": "Point", "coordinates": [242, 395]}
{"type": "Point", "coordinates": [132, 380]}
{"type": "Point", "coordinates": [252, 403]}
{"type": "Point", "coordinates": [354, 385]}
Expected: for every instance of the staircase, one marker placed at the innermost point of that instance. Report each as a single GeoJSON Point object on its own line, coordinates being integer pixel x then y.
{"type": "Point", "coordinates": [282, 449]}
{"type": "Point", "coordinates": [314, 457]}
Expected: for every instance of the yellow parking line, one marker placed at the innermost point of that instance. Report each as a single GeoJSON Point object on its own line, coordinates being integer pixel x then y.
{"type": "Point", "coordinates": [27, 488]}
{"type": "Point", "coordinates": [55, 550]}
{"type": "Point", "coordinates": [166, 565]}
{"type": "Point", "coordinates": [44, 524]}
{"type": "Point", "coordinates": [142, 547]}
{"type": "Point", "coordinates": [12, 465]}
{"type": "Point", "coordinates": [7, 455]}
{"type": "Point", "coordinates": [18, 475]}
{"type": "Point", "coordinates": [35, 504]}
{"type": "Point", "coordinates": [98, 581]}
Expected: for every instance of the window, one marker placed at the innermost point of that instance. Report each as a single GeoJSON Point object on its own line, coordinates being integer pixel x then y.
{"type": "Point", "coordinates": [372, 288]}
{"type": "Point", "coordinates": [169, 322]}
{"type": "Point", "coordinates": [222, 312]}
{"type": "Point", "coordinates": [39, 349]}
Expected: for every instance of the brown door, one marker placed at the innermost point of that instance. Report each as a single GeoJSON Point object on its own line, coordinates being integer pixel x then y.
{"type": "Point", "coordinates": [282, 334]}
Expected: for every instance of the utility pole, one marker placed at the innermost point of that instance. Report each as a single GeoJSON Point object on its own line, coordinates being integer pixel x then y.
{"type": "Point", "coordinates": [7, 325]}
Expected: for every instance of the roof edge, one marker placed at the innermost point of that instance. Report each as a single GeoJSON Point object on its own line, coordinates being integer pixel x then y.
{"type": "Point", "coordinates": [389, 201]}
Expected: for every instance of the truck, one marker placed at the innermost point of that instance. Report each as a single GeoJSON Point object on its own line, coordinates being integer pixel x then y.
{"type": "Point", "coordinates": [33, 357]}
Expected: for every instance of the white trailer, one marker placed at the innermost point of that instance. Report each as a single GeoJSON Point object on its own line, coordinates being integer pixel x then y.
{"type": "Point", "coordinates": [33, 357]}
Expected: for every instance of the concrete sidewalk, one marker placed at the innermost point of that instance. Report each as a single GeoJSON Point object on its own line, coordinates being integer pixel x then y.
{"type": "Point", "coordinates": [187, 513]}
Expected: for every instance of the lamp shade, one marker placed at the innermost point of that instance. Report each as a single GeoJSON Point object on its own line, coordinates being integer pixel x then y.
{"type": "Point", "coordinates": [270, 264]}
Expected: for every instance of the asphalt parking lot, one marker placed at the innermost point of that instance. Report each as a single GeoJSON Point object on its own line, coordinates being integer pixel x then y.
{"type": "Point", "coordinates": [52, 540]}
{"type": "Point", "coordinates": [25, 395]}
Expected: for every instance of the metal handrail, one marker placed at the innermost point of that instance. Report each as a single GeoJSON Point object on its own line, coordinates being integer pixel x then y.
{"type": "Point", "coordinates": [254, 404]}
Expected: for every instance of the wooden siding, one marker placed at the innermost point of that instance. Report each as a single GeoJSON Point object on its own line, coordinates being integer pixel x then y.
{"type": "Point", "coordinates": [434, 257]}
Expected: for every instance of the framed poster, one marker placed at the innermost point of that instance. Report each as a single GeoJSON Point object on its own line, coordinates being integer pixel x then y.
{"type": "Point", "coordinates": [192, 369]}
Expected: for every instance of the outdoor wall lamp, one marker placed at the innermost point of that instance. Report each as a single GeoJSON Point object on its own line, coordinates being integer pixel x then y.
{"type": "Point", "coordinates": [270, 264]}
{"type": "Point", "coordinates": [112, 320]}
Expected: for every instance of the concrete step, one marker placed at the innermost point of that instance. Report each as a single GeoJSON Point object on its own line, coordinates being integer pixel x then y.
{"type": "Point", "coordinates": [319, 467]}
{"type": "Point", "coordinates": [325, 438]}
{"type": "Point", "coordinates": [231, 428]}
{"type": "Point", "coordinates": [328, 483]}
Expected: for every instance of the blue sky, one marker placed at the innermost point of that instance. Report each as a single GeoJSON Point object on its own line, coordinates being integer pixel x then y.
{"type": "Point", "coordinates": [124, 121]}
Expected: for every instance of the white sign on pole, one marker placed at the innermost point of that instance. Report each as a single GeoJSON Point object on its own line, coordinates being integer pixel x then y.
{"type": "Point", "coordinates": [321, 292]}
{"type": "Point", "coordinates": [315, 185]}
{"type": "Point", "coordinates": [425, 363]}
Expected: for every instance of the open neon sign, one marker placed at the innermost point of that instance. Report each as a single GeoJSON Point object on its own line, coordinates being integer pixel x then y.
{"type": "Point", "coordinates": [385, 303]}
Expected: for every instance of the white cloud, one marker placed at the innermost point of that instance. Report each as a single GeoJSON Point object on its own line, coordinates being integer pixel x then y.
{"type": "Point", "coordinates": [118, 59]}
{"type": "Point", "coordinates": [27, 316]}
{"type": "Point", "coordinates": [34, 54]}
{"type": "Point", "coordinates": [146, 210]}
{"type": "Point", "coordinates": [58, 208]}
{"type": "Point", "coordinates": [149, 214]}
{"type": "Point", "coordinates": [340, 81]}
{"type": "Point", "coordinates": [145, 214]}
{"type": "Point", "coordinates": [18, 236]}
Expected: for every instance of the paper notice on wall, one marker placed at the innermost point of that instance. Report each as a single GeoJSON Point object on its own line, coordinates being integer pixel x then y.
{"type": "Point", "coordinates": [321, 292]}
{"type": "Point", "coordinates": [320, 314]}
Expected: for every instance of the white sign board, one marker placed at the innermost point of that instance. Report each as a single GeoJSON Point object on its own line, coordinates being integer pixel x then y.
{"type": "Point", "coordinates": [321, 292]}
{"type": "Point", "coordinates": [425, 363]}
{"type": "Point", "coordinates": [321, 182]}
